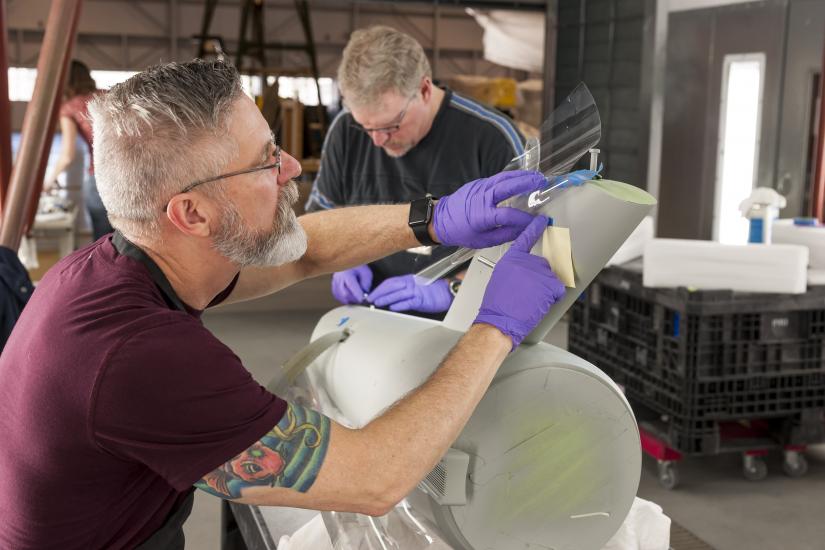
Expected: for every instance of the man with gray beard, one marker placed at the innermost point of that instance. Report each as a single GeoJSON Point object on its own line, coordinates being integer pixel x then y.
{"type": "Point", "coordinates": [116, 402]}
{"type": "Point", "coordinates": [276, 247]}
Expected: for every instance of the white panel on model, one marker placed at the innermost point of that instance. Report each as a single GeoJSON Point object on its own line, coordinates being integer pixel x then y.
{"type": "Point", "coordinates": [551, 456]}
{"type": "Point", "coordinates": [553, 447]}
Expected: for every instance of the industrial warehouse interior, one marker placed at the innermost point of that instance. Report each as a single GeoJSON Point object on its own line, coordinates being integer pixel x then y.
{"type": "Point", "coordinates": [444, 274]}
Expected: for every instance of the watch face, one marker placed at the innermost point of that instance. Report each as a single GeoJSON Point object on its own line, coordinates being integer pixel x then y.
{"type": "Point", "coordinates": [420, 211]}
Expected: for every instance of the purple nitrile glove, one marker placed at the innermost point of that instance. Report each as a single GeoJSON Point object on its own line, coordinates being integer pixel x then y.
{"type": "Point", "coordinates": [403, 294]}
{"type": "Point", "coordinates": [522, 287]}
{"type": "Point", "coordinates": [350, 286]}
{"type": "Point", "coordinates": [469, 217]}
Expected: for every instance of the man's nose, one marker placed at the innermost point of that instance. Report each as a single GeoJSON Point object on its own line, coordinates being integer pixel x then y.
{"type": "Point", "coordinates": [290, 168]}
{"type": "Point", "coordinates": [379, 138]}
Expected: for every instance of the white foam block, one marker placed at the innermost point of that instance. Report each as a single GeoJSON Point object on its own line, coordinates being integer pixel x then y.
{"type": "Point", "coordinates": [785, 232]}
{"type": "Point", "coordinates": [816, 277]}
{"type": "Point", "coordinates": [634, 246]}
{"type": "Point", "coordinates": [710, 265]}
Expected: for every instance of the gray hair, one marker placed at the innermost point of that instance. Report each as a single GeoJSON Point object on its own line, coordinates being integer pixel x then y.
{"type": "Point", "coordinates": [378, 60]}
{"type": "Point", "coordinates": [158, 131]}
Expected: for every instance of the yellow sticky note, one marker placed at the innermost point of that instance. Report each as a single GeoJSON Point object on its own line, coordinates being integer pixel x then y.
{"type": "Point", "coordinates": [555, 246]}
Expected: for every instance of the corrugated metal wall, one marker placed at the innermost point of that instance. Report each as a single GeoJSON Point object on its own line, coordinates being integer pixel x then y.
{"type": "Point", "coordinates": [602, 43]}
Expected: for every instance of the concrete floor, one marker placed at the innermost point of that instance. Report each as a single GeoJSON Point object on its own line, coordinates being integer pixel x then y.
{"type": "Point", "coordinates": [713, 501]}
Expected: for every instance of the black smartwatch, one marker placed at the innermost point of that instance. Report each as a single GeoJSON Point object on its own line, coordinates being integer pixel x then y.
{"type": "Point", "coordinates": [421, 214]}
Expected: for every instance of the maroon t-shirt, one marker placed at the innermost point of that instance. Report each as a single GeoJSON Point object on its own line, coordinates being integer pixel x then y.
{"type": "Point", "coordinates": [114, 400]}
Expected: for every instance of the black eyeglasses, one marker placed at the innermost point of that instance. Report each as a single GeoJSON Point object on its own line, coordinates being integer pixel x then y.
{"type": "Point", "coordinates": [277, 165]}
{"type": "Point", "coordinates": [391, 128]}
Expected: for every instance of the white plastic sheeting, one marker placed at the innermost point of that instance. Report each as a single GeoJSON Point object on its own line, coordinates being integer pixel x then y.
{"type": "Point", "coordinates": [645, 528]}
{"type": "Point", "coordinates": [514, 39]}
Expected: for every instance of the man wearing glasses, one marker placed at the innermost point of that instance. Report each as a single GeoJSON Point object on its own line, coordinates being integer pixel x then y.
{"type": "Point", "coordinates": [116, 402]}
{"type": "Point", "coordinates": [402, 137]}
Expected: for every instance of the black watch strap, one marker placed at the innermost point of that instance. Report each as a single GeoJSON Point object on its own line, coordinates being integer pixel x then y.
{"type": "Point", "coordinates": [421, 214]}
{"type": "Point", "coordinates": [423, 235]}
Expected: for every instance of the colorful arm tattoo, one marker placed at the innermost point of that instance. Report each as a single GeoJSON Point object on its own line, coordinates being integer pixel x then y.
{"type": "Point", "coordinates": [290, 456]}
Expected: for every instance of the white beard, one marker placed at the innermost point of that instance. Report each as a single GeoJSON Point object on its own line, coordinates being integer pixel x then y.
{"type": "Point", "coordinates": [286, 242]}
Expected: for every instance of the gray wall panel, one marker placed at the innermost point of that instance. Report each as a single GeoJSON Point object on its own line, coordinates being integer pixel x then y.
{"type": "Point", "coordinates": [682, 181]}
{"type": "Point", "coordinates": [631, 8]}
{"type": "Point", "coordinates": [804, 58]}
{"type": "Point", "coordinates": [600, 43]}
{"type": "Point", "coordinates": [698, 41]}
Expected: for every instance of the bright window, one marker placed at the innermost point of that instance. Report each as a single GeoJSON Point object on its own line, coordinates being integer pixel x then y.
{"type": "Point", "coordinates": [21, 85]}
{"type": "Point", "coordinates": [303, 89]}
{"type": "Point", "coordinates": [294, 87]}
{"type": "Point", "coordinates": [21, 81]}
{"type": "Point", "coordinates": [740, 117]}
{"type": "Point", "coordinates": [107, 79]}
{"type": "Point", "coordinates": [251, 85]}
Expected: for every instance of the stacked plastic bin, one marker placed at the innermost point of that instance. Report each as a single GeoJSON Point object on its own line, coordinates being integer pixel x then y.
{"type": "Point", "coordinates": [709, 371]}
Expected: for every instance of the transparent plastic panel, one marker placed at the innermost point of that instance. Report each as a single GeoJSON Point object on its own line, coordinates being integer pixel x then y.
{"type": "Point", "coordinates": [403, 528]}
{"type": "Point", "coordinates": [568, 134]}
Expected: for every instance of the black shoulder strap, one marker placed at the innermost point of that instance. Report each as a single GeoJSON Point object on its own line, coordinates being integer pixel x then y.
{"type": "Point", "coordinates": [127, 248]}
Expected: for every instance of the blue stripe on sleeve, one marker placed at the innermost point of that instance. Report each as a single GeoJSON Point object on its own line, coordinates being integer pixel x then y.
{"type": "Point", "coordinates": [499, 121]}
{"type": "Point", "coordinates": [315, 196]}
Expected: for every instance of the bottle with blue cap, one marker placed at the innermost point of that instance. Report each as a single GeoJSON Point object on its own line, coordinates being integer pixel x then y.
{"type": "Point", "coordinates": [762, 208]}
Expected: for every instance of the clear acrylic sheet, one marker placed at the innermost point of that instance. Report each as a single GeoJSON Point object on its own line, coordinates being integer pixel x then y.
{"type": "Point", "coordinates": [568, 134]}
{"type": "Point", "coordinates": [401, 529]}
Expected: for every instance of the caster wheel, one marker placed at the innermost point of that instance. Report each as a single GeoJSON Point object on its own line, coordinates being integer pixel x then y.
{"type": "Point", "coordinates": [754, 468]}
{"type": "Point", "coordinates": [668, 475]}
{"type": "Point", "coordinates": [795, 464]}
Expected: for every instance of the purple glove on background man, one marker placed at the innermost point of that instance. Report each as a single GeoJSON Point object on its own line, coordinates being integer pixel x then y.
{"type": "Point", "coordinates": [469, 217]}
{"type": "Point", "coordinates": [349, 286]}
{"type": "Point", "coordinates": [522, 287]}
{"type": "Point", "coordinates": [403, 294]}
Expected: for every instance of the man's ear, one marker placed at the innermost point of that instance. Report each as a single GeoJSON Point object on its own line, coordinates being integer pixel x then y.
{"type": "Point", "coordinates": [426, 88]}
{"type": "Point", "coordinates": [191, 215]}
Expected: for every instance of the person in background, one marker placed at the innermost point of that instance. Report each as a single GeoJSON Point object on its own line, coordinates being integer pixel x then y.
{"type": "Point", "coordinates": [80, 89]}
{"type": "Point", "coordinates": [400, 137]}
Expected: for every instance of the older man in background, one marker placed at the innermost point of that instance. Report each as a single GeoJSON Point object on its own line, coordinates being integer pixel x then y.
{"type": "Point", "coordinates": [402, 137]}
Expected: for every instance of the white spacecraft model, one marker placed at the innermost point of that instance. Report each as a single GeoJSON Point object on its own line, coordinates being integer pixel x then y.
{"type": "Point", "coordinates": [551, 458]}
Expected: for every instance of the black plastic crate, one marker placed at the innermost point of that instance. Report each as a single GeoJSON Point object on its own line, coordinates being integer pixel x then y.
{"type": "Point", "coordinates": [756, 385]}
{"type": "Point", "coordinates": [704, 355]}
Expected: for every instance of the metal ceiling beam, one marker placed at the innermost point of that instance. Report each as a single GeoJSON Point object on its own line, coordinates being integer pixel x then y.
{"type": "Point", "coordinates": [367, 7]}
{"type": "Point", "coordinates": [521, 5]}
